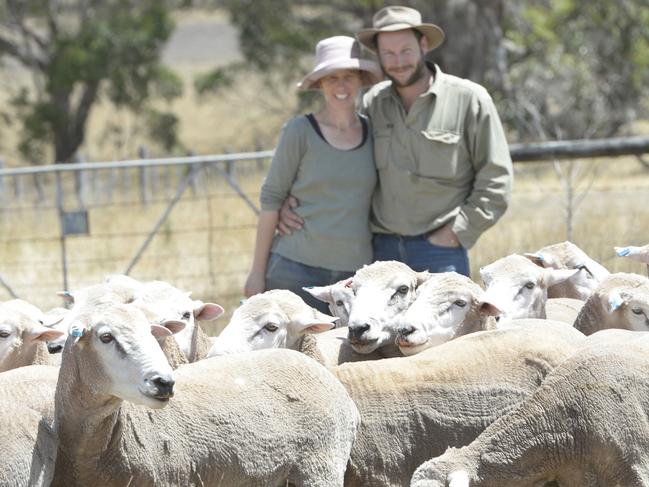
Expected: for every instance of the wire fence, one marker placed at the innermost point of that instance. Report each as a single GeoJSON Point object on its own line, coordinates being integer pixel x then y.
{"type": "Point", "coordinates": [191, 221]}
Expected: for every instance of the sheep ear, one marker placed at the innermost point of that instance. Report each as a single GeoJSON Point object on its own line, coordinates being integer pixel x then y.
{"type": "Point", "coordinates": [174, 326]}
{"type": "Point", "coordinates": [67, 296]}
{"type": "Point", "coordinates": [43, 333]}
{"type": "Point", "coordinates": [615, 301]}
{"type": "Point", "coordinates": [422, 277]}
{"type": "Point", "coordinates": [489, 309]}
{"type": "Point", "coordinates": [315, 322]}
{"type": "Point", "coordinates": [160, 331]}
{"type": "Point", "coordinates": [555, 276]}
{"type": "Point", "coordinates": [208, 311]}
{"type": "Point", "coordinates": [538, 259]}
{"type": "Point", "coordinates": [485, 275]}
{"type": "Point", "coordinates": [323, 293]}
{"type": "Point", "coordinates": [50, 321]}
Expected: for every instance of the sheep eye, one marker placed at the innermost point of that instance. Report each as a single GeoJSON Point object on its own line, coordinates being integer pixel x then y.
{"type": "Point", "coordinates": [271, 327]}
{"type": "Point", "coordinates": [106, 338]}
{"type": "Point", "coordinates": [460, 303]}
{"type": "Point", "coordinates": [340, 303]}
{"type": "Point", "coordinates": [186, 315]}
{"type": "Point", "coordinates": [4, 333]}
{"type": "Point", "coordinates": [403, 290]}
{"type": "Point", "coordinates": [529, 285]}
{"type": "Point", "coordinates": [636, 311]}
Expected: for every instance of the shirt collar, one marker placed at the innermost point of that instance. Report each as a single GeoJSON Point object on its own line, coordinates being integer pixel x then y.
{"type": "Point", "coordinates": [436, 86]}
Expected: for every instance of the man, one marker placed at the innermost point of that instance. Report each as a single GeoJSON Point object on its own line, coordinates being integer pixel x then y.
{"type": "Point", "coordinates": [445, 172]}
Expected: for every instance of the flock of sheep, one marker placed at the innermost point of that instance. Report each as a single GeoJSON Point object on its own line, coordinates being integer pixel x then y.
{"type": "Point", "coordinates": [537, 379]}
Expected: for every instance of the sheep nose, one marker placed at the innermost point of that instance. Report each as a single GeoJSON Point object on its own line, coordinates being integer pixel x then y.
{"type": "Point", "coordinates": [356, 332]}
{"type": "Point", "coordinates": [52, 348]}
{"type": "Point", "coordinates": [164, 386]}
{"type": "Point", "coordinates": [406, 330]}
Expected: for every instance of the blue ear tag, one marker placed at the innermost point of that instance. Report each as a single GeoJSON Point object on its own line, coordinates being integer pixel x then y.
{"type": "Point", "coordinates": [76, 331]}
{"type": "Point", "coordinates": [623, 251]}
{"type": "Point", "coordinates": [615, 302]}
{"type": "Point", "coordinates": [242, 301]}
{"type": "Point", "coordinates": [540, 257]}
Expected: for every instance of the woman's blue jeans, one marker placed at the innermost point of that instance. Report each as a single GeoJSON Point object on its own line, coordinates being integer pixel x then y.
{"type": "Point", "coordinates": [283, 273]}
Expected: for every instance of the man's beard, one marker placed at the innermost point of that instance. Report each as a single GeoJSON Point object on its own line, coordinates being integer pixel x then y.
{"type": "Point", "coordinates": [419, 73]}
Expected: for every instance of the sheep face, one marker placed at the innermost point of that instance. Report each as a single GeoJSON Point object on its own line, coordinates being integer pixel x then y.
{"type": "Point", "coordinates": [566, 255]}
{"type": "Point", "coordinates": [382, 291]}
{"type": "Point", "coordinates": [117, 355]}
{"type": "Point", "coordinates": [338, 296]}
{"type": "Point", "coordinates": [19, 336]}
{"type": "Point", "coordinates": [630, 307]}
{"type": "Point", "coordinates": [519, 288]}
{"type": "Point", "coordinates": [274, 319]}
{"type": "Point", "coordinates": [446, 306]}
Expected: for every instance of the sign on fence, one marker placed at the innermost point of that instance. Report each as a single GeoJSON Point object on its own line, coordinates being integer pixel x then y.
{"type": "Point", "coordinates": [74, 222]}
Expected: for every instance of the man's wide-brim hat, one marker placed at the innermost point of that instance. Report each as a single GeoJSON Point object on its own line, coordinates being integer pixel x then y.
{"type": "Point", "coordinates": [340, 52]}
{"type": "Point", "coordinates": [391, 19]}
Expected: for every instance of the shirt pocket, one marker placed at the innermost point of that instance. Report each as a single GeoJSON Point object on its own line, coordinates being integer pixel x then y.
{"type": "Point", "coordinates": [438, 154]}
{"type": "Point", "coordinates": [382, 146]}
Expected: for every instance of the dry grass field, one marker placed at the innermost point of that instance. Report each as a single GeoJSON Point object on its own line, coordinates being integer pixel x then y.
{"type": "Point", "coordinates": [206, 244]}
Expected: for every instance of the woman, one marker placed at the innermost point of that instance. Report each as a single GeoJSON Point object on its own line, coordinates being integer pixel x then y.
{"type": "Point", "coordinates": [326, 161]}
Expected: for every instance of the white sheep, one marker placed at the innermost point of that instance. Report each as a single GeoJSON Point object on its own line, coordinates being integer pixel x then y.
{"type": "Point", "coordinates": [620, 301]}
{"type": "Point", "coordinates": [566, 255]}
{"type": "Point", "coordinates": [446, 306]}
{"type": "Point", "coordinates": [258, 419]}
{"type": "Point", "coordinates": [161, 301]}
{"type": "Point", "coordinates": [338, 296]}
{"type": "Point", "coordinates": [382, 291]}
{"type": "Point", "coordinates": [586, 425]}
{"type": "Point", "coordinates": [22, 338]}
{"type": "Point", "coordinates": [331, 348]}
{"type": "Point", "coordinates": [273, 319]}
{"type": "Point", "coordinates": [29, 440]}
{"type": "Point", "coordinates": [519, 288]}
{"type": "Point", "coordinates": [413, 408]}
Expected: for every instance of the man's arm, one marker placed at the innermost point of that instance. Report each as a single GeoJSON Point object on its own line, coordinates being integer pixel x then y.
{"type": "Point", "coordinates": [492, 164]}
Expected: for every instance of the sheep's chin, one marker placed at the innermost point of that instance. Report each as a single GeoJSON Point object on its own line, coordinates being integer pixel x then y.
{"type": "Point", "coordinates": [413, 349]}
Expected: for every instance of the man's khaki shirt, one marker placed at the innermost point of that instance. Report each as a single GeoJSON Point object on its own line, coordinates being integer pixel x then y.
{"type": "Point", "coordinates": [446, 160]}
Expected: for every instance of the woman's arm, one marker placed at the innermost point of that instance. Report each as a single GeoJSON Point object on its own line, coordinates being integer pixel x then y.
{"type": "Point", "coordinates": [256, 282]}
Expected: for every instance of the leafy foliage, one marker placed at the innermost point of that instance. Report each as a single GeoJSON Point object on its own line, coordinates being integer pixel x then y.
{"type": "Point", "coordinates": [556, 68]}
{"type": "Point", "coordinates": [79, 53]}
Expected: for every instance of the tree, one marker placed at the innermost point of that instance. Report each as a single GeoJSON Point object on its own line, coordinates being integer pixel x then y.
{"type": "Point", "coordinates": [77, 53]}
{"type": "Point", "coordinates": [577, 69]}
{"type": "Point", "coordinates": [556, 68]}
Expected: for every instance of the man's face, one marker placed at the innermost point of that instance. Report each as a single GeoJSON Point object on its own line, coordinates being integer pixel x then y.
{"type": "Point", "coordinates": [402, 56]}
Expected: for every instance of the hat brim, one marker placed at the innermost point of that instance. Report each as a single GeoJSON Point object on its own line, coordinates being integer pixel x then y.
{"type": "Point", "coordinates": [433, 34]}
{"type": "Point", "coordinates": [371, 69]}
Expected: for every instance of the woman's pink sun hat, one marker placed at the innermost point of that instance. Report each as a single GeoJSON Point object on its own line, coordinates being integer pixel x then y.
{"type": "Point", "coordinates": [340, 52]}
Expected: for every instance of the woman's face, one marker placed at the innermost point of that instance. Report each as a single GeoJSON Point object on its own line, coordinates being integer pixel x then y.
{"type": "Point", "coordinates": [341, 87]}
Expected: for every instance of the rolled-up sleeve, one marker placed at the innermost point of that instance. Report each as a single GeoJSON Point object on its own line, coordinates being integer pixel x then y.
{"type": "Point", "coordinates": [283, 167]}
{"type": "Point", "coordinates": [492, 164]}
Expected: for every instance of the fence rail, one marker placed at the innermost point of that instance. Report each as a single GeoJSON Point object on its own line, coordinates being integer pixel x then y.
{"type": "Point", "coordinates": [142, 219]}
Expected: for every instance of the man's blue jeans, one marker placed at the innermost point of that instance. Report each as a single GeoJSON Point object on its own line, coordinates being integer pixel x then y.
{"type": "Point", "coordinates": [283, 273]}
{"type": "Point", "coordinates": [418, 253]}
